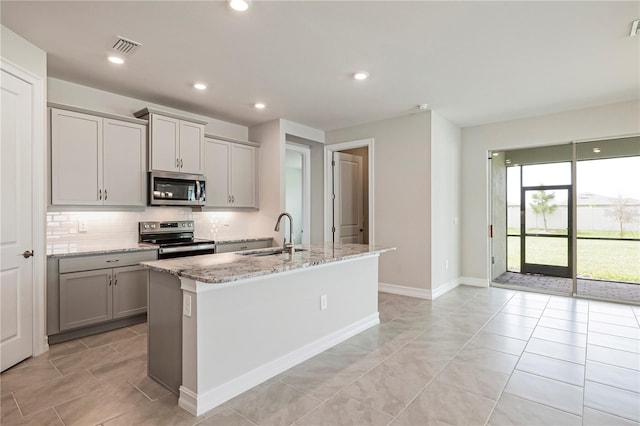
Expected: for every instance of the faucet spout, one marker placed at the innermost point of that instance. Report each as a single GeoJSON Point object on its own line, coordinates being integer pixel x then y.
{"type": "Point", "coordinates": [288, 247]}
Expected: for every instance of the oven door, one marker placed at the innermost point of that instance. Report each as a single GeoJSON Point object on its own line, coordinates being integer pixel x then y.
{"type": "Point", "coordinates": [176, 189]}
{"type": "Point", "coordinates": [184, 251]}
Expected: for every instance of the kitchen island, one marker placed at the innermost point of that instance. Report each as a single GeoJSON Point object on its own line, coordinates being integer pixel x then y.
{"type": "Point", "coordinates": [220, 324]}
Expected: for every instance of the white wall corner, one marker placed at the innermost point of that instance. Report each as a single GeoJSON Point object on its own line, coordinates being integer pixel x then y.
{"type": "Point", "coordinates": [474, 282]}
{"type": "Point", "coordinates": [444, 288]}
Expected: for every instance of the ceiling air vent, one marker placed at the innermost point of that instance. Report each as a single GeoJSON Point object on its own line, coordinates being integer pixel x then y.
{"type": "Point", "coordinates": [125, 46]}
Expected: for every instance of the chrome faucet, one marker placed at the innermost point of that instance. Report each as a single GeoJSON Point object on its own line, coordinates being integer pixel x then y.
{"type": "Point", "coordinates": [287, 247]}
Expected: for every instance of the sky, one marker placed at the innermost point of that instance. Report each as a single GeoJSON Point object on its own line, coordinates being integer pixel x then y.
{"type": "Point", "coordinates": [610, 177]}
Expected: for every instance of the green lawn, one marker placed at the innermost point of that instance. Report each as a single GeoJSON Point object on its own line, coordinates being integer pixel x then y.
{"type": "Point", "coordinates": [608, 260]}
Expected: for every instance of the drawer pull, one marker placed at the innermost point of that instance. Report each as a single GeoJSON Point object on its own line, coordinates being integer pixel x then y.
{"type": "Point", "coordinates": [113, 261]}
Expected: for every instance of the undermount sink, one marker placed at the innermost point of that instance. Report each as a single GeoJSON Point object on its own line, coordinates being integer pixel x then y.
{"type": "Point", "coordinates": [267, 252]}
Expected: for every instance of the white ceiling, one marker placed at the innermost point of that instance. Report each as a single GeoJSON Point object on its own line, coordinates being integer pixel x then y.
{"type": "Point", "coordinates": [473, 62]}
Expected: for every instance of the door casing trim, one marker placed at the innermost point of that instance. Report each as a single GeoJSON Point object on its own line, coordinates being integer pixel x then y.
{"type": "Point", "coordinates": [328, 204]}
{"type": "Point", "coordinates": [39, 170]}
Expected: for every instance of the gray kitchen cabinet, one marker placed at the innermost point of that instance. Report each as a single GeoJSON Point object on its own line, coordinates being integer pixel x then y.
{"type": "Point", "coordinates": [96, 160]}
{"type": "Point", "coordinates": [231, 171]}
{"type": "Point", "coordinates": [96, 289]}
{"type": "Point", "coordinates": [85, 298]}
{"type": "Point", "coordinates": [248, 245]}
{"type": "Point", "coordinates": [129, 291]}
{"type": "Point", "coordinates": [175, 144]}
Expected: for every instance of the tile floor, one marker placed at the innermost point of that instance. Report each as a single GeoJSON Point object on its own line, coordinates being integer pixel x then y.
{"type": "Point", "coordinates": [596, 289]}
{"type": "Point", "coordinates": [472, 357]}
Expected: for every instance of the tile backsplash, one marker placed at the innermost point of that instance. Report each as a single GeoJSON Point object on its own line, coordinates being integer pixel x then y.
{"type": "Point", "coordinates": [111, 227]}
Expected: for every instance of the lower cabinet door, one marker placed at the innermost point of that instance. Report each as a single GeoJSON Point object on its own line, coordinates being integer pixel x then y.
{"type": "Point", "coordinates": [85, 298]}
{"type": "Point", "coordinates": [129, 291]}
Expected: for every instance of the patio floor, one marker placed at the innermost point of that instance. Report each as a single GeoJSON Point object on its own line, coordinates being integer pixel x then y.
{"type": "Point", "coordinates": [609, 290]}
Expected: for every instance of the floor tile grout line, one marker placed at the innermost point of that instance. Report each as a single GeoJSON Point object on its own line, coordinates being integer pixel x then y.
{"type": "Point", "coordinates": [515, 368]}
{"type": "Point", "coordinates": [15, 401]}
{"type": "Point", "coordinates": [449, 362]}
{"type": "Point", "coordinates": [240, 414]}
{"type": "Point", "coordinates": [58, 415]}
{"type": "Point", "coordinates": [378, 364]}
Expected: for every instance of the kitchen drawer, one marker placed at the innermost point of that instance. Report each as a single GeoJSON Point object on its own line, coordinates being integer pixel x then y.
{"type": "Point", "coordinates": [251, 245]}
{"type": "Point", "coordinates": [101, 261]}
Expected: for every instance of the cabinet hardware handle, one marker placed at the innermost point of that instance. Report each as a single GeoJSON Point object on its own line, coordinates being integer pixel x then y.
{"type": "Point", "coordinates": [113, 260]}
{"type": "Point", "coordinates": [27, 254]}
{"type": "Point", "coordinates": [99, 194]}
{"type": "Point", "coordinates": [177, 163]}
{"type": "Point", "coordinates": [181, 163]}
{"type": "Point", "coordinates": [228, 198]}
{"type": "Point", "coordinates": [110, 280]}
{"type": "Point", "coordinates": [244, 247]}
{"type": "Point", "coordinates": [116, 281]}
{"type": "Point", "coordinates": [105, 194]}
{"type": "Point", "coordinates": [233, 198]}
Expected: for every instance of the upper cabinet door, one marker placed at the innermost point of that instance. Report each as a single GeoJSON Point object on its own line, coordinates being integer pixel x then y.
{"type": "Point", "coordinates": [191, 147]}
{"type": "Point", "coordinates": [216, 169]}
{"type": "Point", "coordinates": [243, 176]}
{"type": "Point", "coordinates": [124, 162]}
{"type": "Point", "coordinates": [76, 163]}
{"type": "Point", "coordinates": [165, 145]}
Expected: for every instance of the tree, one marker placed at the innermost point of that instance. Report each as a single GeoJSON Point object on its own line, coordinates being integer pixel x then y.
{"type": "Point", "coordinates": [543, 204]}
{"type": "Point", "coordinates": [622, 212]}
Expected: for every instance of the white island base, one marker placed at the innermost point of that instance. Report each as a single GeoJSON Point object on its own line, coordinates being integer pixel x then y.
{"type": "Point", "coordinates": [236, 335]}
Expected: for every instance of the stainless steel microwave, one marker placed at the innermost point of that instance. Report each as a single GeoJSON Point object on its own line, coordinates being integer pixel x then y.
{"type": "Point", "coordinates": [176, 189]}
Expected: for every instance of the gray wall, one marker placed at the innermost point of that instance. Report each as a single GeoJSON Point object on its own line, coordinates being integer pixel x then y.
{"type": "Point", "coordinates": [402, 194]}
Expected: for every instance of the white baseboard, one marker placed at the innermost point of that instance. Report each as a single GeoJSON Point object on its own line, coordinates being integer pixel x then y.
{"type": "Point", "coordinates": [420, 293]}
{"type": "Point", "coordinates": [445, 288]}
{"type": "Point", "coordinates": [475, 282]}
{"type": "Point", "coordinates": [197, 404]}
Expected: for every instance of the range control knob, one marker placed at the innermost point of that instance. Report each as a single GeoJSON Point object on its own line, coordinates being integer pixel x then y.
{"type": "Point", "coordinates": [146, 226]}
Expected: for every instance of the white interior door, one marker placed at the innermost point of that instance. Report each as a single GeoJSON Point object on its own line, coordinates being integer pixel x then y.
{"type": "Point", "coordinates": [16, 271]}
{"type": "Point", "coordinates": [348, 217]}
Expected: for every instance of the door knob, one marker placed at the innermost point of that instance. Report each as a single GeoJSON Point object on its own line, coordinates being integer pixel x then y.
{"type": "Point", "coordinates": [27, 254]}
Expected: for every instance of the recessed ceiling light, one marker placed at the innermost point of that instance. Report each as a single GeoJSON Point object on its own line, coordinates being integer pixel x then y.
{"type": "Point", "coordinates": [200, 86]}
{"type": "Point", "coordinates": [634, 27]}
{"type": "Point", "coordinates": [361, 75]}
{"type": "Point", "coordinates": [239, 5]}
{"type": "Point", "coordinates": [508, 161]}
{"type": "Point", "coordinates": [423, 107]}
{"type": "Point", "coordinates": [596, 150]}
{"type": "Point", "coordinates": [495, 154]}
{"type": "Point", "coordinates": [259, 105]}
{"type": "Point", "coordinates": [116, 60]}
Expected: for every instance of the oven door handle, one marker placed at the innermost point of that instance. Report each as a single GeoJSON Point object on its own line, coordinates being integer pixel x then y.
{"type": "Point", "coordinates": [163, 250]}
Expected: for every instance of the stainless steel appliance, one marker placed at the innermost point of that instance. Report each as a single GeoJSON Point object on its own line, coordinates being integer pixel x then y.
{"type": "Point", "coordinates": [176, 189]}
{"type": "Point", "coordinates": [174, 239]}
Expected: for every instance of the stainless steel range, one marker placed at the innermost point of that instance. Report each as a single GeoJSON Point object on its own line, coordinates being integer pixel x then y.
{"type": "Point", "coordinates": [174, 239]}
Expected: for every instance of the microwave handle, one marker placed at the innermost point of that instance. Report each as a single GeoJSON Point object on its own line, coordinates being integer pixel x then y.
{"type": "Point", "coordinates": [198, 190]}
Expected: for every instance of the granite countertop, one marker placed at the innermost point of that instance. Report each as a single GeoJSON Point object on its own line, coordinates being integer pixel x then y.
{"type": "Point", "coordinates": [228, 267]}
{"type": "Point", "coordinates": [232, 240]}
{"type": "Point", "coordinates": [80, 248]}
